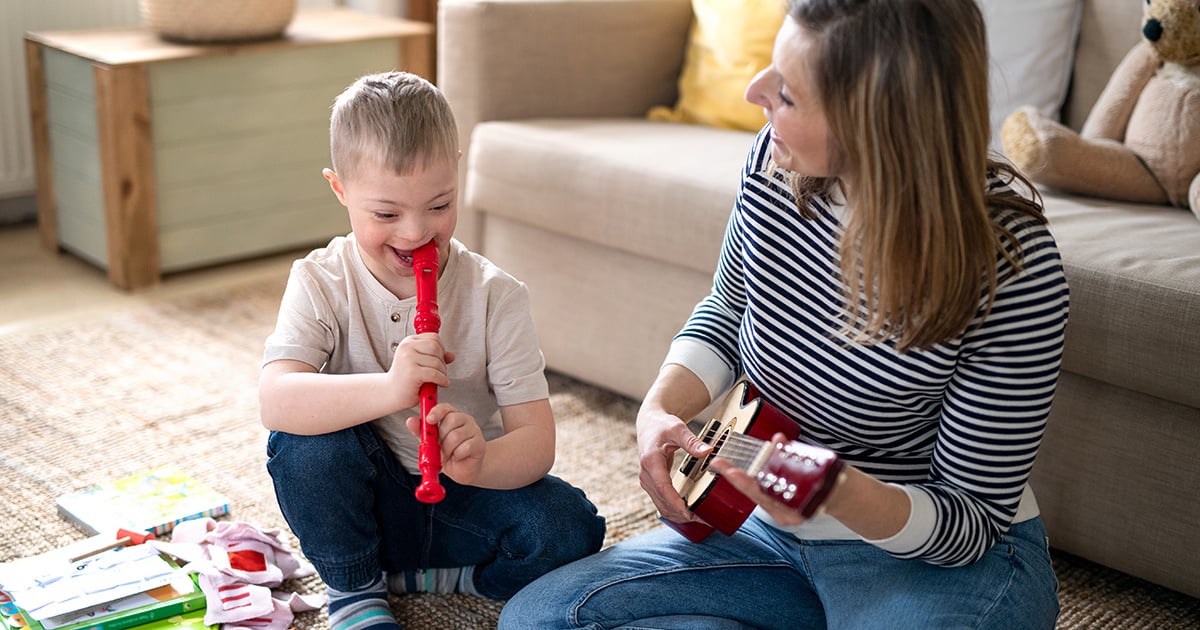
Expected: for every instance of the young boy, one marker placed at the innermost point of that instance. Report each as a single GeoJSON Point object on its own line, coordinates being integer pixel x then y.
{"type": "Point", "coordinates": [343, 368]}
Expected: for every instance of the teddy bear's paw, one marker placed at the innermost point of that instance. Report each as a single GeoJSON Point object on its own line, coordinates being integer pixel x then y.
{"type": "Point", "coordinates": [1194, 196]}
{"type": "Point", "coordinates": [1020, 141]}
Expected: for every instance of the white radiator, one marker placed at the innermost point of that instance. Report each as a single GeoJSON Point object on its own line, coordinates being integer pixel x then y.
{"type": "Point", "coordinates": [17, 17]}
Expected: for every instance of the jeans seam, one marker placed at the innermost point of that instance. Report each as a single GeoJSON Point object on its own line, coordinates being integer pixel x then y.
{"type": "Point", "coordinates": [1013, 559]}
{"type": "Point", "coordinates": [577, 605]}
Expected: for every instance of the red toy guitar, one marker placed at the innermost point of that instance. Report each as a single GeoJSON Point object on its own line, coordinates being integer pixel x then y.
{"type": "Point", "coordinates": [798, 474]}
{"type": "Point", "coordinates": [429, 454]}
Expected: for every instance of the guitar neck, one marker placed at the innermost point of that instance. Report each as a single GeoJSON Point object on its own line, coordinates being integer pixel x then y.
{"type": "Point", "coordinates": [798, 474]}
{"type": "Point", "coordinates": [748, 453]}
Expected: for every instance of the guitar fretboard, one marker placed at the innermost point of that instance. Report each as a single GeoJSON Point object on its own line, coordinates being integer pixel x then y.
{"type": "Point", "coordinates": [743, 451]}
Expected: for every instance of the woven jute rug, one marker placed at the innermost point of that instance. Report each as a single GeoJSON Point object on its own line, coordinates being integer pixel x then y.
{"type": "Point", "coordinates": [175, 382]}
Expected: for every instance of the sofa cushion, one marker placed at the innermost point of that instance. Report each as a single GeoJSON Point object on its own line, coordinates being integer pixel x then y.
{"type": "Point", "coordinates": [730, 42]}
{"type": "Point", "coordinates": [661, 190]}
{"type": "Point", "coordinates": [1134, 275]}
{"type": "Point", "coordinates": [1031, 45]}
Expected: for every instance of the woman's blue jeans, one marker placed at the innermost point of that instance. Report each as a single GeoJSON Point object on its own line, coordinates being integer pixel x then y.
{"type": "Point", "coordinates": [351, 504]}
{"type": "Point", "coordinates": [765, 578]}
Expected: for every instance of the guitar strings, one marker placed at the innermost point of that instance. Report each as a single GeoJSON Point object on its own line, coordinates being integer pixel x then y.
{"type": "Point", "coordinates": [740, 449]}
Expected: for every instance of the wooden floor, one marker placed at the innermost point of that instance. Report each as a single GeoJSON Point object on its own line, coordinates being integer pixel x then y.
{"type": "Point", "coordinates": [39, 286]}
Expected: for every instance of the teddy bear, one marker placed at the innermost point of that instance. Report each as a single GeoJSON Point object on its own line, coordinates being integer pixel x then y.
{"type": "Point", "coordinates": [1141, 140]}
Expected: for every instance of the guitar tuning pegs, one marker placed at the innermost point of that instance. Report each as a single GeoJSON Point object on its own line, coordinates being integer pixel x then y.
{"type": "Point", "coordinates": [798, 453]}
{"type": "Point", "coordinates": [779, 486]}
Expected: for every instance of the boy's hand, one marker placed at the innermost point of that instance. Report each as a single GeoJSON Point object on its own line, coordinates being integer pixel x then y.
{"type": "Point", "coordinates": [419, 359]}
{"type": "Point", "coordinates": [461, 439]}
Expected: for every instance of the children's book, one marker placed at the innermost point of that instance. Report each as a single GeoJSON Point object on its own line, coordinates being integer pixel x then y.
{"type": "Point", "coordinates": [112, 590]}
{"type": "Point", "coordinates": [155, 501]}
{"type": "Point", "coordinates": [193, 620]}
{"type": "Point", "coordinates": [158, 605]}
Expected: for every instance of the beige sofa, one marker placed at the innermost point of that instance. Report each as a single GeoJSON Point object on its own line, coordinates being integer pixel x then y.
{"type": "Point", "coordinates": [615, 222]}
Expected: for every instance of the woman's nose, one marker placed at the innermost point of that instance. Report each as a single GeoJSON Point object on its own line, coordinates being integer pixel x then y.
{"type": "Point", "coordinates": [754, 91]}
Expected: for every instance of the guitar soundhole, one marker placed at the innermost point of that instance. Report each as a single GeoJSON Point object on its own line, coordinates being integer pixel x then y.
{"type": "Point", "coordinates": [713, 434]}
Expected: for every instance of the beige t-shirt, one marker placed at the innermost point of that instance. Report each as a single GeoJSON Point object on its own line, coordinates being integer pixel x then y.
{"type": "Point", "coordinates": [336, 317]}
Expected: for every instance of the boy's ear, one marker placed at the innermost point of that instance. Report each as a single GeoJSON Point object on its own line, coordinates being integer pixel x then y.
{"type": "Point", "coordinates": [335, 185]}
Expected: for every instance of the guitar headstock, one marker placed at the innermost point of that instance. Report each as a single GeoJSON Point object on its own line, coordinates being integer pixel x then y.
{"type": "Point", "coordinates": [800, 475]}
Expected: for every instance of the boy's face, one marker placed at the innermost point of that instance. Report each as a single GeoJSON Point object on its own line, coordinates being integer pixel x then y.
{"type": "Point", "coordinates": [392, 215]}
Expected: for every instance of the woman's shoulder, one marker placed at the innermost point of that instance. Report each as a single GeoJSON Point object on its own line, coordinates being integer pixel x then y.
{"type": "Point", "coordinates": [1015, 206]}
{"type": "Point", "coordinates": [1026, 236]}
{"type": "Point", "coordinates": [759, 158]}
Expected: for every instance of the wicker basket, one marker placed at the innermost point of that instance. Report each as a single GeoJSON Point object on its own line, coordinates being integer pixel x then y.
{"type": "Point", "coordinates": [204, 21]}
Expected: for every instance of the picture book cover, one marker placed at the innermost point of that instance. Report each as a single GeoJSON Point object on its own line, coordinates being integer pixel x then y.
{"type": "Point", "coordinates": [193, 620]}
{"type": "Point", "coordinates": [160, 605]}
{"type": "Point", "coordinates": [154, 500]}
{"type": "Point", "coordinates": [47, 583]}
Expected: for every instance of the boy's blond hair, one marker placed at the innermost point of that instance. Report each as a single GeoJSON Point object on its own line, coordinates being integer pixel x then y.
{"type": "Point", "coordinates": [395, 119]}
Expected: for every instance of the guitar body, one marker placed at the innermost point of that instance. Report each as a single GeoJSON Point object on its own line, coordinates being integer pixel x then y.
{"type": "Point", "coordinates": [707, 495]}
{"type": "Point", "coordinates": [798, 474]}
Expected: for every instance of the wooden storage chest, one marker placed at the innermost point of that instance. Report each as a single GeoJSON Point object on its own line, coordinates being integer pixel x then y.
{"type": "Point", "coordinates": [154, 157]}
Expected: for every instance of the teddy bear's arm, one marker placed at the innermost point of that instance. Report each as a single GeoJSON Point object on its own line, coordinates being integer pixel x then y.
{"type": "Point", "coordinates": [1110, 114]}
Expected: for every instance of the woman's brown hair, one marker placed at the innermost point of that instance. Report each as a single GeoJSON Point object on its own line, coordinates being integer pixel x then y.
{"type": "Point", "coordinates": [904, 86]}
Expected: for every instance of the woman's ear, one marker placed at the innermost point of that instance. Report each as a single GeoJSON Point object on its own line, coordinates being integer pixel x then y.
{"type": "Point", "coordinates": [335, 185]}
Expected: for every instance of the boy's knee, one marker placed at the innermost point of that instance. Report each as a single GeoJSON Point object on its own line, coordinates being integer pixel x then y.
{"type": "Point", "coordinates": [311, 454]}
{"type": "Point", "coordinates": [570, 527]}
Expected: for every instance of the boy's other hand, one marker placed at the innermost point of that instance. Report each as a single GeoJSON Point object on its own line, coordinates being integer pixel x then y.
{"type": "Point", "coordinates": [461, 439]}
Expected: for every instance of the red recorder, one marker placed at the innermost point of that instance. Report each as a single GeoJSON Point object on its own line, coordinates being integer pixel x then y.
{"type": "Point", "coordinates": [429, 454]}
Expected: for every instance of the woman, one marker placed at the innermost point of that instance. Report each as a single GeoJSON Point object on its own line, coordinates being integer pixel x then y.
{"type": "Point", "coordinates": [897, 293]}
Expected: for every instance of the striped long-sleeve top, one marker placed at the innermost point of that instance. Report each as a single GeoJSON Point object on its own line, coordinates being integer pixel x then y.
{"type": "Point", "coordinates": [957, 425]}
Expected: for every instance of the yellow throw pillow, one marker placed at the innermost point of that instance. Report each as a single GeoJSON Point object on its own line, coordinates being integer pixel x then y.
{"type": "Point", "coordinates": [730, 42]}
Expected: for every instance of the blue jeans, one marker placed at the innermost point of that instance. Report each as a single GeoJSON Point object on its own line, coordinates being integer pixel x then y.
{"type": "Point", "coordinates": [766, 578]}
{"type": "Point", "coordinates": [351, 504]}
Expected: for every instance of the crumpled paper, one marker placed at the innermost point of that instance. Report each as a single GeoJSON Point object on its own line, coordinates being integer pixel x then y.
{"type": "Point", "coordinates": [239, 565]}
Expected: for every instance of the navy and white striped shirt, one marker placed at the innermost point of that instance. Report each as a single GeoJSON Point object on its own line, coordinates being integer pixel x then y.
{"type": "Point", "coordinates": [957, 425]}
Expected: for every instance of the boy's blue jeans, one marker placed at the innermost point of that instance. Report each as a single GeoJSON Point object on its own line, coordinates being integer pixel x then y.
{"type": "Point", "coordinates": [765, 578]}
{"type": "Point", "coordinates": [351, 504]}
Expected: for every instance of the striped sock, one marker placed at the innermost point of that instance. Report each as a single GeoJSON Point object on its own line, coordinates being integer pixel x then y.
{"type": "Point", "coordinates": [445, 580]}
{"type": "Point", "coordinates": [364, 608]}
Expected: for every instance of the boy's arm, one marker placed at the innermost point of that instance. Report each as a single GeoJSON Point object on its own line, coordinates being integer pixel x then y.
{"type": "Point", "coordinates": [525, 452]}
{"type": "Point", "coordinates": [294, 397]}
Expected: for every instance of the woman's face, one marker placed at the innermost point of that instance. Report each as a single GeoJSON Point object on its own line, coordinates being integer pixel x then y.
{"type": "Point", "coordinates": [786, 92]}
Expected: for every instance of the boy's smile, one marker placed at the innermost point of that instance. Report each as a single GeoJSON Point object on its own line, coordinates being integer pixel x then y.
{"type": "Point", "coordinates": [391, 215]}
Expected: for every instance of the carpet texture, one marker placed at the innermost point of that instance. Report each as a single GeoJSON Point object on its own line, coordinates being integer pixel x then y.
{"type": "Point", "coordinates": [175, 381]}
